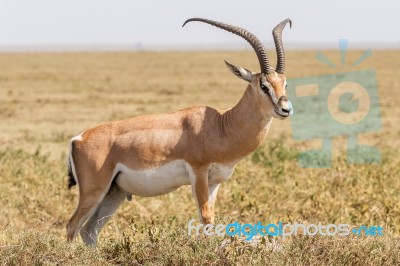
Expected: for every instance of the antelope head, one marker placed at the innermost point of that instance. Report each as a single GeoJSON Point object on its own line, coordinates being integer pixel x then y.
{"type": "Point", "coordinates": [270, 84]}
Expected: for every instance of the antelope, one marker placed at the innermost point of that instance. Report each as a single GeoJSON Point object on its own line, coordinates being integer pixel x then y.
{"type": "Point", "coordinates": [152, 155]}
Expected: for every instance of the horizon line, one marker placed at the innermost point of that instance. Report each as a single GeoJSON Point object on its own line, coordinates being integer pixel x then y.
{"type": "Point", "coordinates": [138, 47]}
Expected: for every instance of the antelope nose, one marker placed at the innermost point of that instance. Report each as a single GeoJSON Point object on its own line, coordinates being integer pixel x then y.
{"type": "Point", "coordinates": [286, 105]}
{"type": "Point", "coordinates": [288, 108]}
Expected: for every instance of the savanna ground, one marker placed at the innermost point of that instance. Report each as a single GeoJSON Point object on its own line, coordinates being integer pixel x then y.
{"type": "Point", "coordinates": [45, 99]}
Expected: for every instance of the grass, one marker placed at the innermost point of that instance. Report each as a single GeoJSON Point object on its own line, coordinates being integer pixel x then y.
{"type": "Point", "coordinates": [47, 98]}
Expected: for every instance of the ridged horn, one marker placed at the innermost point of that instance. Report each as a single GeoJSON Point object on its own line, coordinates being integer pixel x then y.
{"type": "Point", "coordinates": [245, 34]}
{"type": "Point", "coordinates": [277, 33]}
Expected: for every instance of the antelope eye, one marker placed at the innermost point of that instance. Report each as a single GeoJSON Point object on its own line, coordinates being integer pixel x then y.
{"type": "Point", "coordinates": [264, 88]}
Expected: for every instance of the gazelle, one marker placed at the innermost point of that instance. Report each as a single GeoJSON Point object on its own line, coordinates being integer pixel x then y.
{"type": "Point", "coordinates": [152, 155]}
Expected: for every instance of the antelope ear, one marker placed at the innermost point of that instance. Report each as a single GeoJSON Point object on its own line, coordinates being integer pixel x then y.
{"type": "Point", "coordinates": [240, 72]}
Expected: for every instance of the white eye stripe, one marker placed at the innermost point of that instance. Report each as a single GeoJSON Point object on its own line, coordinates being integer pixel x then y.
{"type": "Point", "coordinates": [269, 86]}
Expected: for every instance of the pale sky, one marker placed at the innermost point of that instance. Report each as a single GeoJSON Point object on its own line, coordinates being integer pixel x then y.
{"type": "Point", "coordinates": [109, 22]}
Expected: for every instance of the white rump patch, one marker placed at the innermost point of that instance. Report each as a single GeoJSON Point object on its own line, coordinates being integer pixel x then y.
{"type": "Point", "coordinates": [71, 159]}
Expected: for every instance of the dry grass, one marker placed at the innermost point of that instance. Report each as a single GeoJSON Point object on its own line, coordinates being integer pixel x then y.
{"type": "Point", "coordinates": [47, 98]}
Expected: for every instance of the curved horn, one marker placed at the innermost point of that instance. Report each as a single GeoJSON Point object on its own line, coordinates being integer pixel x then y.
{"type": "Point", "coordinates": [277, 33]}
{"type": "Point", "coordinates": [248, 36]}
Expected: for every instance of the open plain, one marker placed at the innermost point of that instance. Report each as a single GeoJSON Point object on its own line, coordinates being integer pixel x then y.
{"type": "Point", "coordinates": [47, 98]}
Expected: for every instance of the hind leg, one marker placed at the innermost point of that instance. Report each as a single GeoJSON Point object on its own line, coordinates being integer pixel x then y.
{"type": "Point", "coordinates": [91, 193]}
{"type": "Point", "coordinates": [103, 214]}
{"type": "Point", "coordinates": [212, 196]}
{"type": "Point", "coordinates": [85, 209]}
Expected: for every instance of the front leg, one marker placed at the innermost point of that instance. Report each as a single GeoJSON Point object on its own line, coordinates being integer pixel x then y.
{"type": "Point", "coordinates": [199, 182]}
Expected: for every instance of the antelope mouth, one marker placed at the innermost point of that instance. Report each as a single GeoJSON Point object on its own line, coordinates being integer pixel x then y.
{"type": "Point", "coordinates": [281, 115]}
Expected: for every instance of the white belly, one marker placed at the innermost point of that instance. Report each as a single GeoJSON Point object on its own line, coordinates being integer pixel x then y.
{"type": "Point", "coordinates": [164, 179]}
{"type": "Point", "coordinates": [153, 181]}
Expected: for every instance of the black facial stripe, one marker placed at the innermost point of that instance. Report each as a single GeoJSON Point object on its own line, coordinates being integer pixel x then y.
{"type": "Point", "coordinates": [267, 89]}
